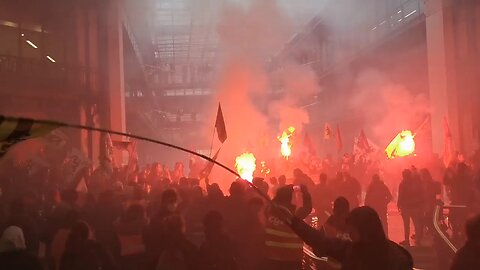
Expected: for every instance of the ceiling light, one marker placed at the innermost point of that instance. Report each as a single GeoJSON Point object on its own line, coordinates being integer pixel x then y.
{"type": "Point", "coordinates": [32, 44]}
{"type": "Point", "coordinates": [51, 59]}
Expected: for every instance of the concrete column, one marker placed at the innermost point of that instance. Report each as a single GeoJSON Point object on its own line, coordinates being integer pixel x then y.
{"type": "Point", "coordinates": [115, 71]}
{"type": "Point", "coordinates": [452, 48]}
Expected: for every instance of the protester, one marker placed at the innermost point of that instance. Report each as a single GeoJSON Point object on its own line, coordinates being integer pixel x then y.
{"type": "Point", "coordinates": [410, 203]}
{"type": "Point", "coordinates": [13, 253]}
{"type": "Point", "coordinates": [60, 238]}
{"type": "Point", "coordinates": [83, 253]}
{"type": "Point", "coordinates": [218, 252]}
{"type": "Point", "coordinates": [322, 200]}
{"type": "Point", "coordinates": [378, 196]}
{"type": "Point", "coordinates": [431, 190]}
{"type": "Point", "coordinates": [154, 233]}
{"type": "Point", "coordinates": [129, 230]}
{"type": "Point", "coordinates": [176, 251]}
{"type": "Point", "coordinates": [467, 258]}
{"type": "Point", "coordinates": [283, 250]}
{"type": "Point", "coordinates": [336, 225]}
{"type": "Point", "coordinates": [369, 248]}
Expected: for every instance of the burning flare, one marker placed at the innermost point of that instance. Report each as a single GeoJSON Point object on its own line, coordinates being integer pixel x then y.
{"type": "Point", "coordinates": [265, 170]}
{"type": "Point", "coordinates": [245, 165]}
{"type": "Point", "coordinates": [286, 147]}
{"type": "Point", "coordinates": [402, 145]}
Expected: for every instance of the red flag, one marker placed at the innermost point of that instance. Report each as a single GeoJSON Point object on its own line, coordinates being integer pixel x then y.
{"type": "Point", "coordinates": [308, 144]}
{"type": "Point", "coordinates": [208, 169]}
{"type": "Point", "coordinates": [220, 125]}
{"type": "Point", "coordinates": [339, 140]}
{"type": "Point", "coordinates": [448, 144]}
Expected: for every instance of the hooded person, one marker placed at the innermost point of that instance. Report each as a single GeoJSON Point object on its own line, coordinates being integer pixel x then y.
{"type": "Point", "coordinates": [13, 254]}
{"type": "Point", "coordinates": [369, 248]}
{"type": "Point", "coordinates": [283, 248]}
{"type": "Point", "coordinates": [467, 257]}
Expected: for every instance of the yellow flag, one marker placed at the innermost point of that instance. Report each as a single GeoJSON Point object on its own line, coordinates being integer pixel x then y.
{"type": "Point", "coordinates": [15, 131]}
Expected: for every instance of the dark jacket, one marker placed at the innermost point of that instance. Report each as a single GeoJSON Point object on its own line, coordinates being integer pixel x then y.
{"type": "Point", "coordinates": [87, 255]}
{"type": "Point", "coordinates": [354, 256]}
{"type": "Point", "coordinates": [19, 260]}
{"type": "Point", "coordinates": [378, 196]}
{"type": "Point", "coordinates": [467, 258]}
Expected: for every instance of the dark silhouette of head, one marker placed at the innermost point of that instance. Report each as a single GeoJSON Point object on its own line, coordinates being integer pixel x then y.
{"type": "Point", "coordinates": [365, 226]}
{"type": "Point", "coordinates": [214, 191]}
{"type": "Point", "coordinates": [341, 206]}
{"type": "Point", "coordinates": [261, 184]}
{"type": "Point", "coordinates": [78, 236]}
{"type": "Point", "coordinates": [472, 229]}
{"type": "Point", "coordinates": [273, 181]}
{"type": "Point", "coordinates": [236, 189]}
{"type": "Point", "coordinates": [297, 173]}
{"type": "Point", "coordinates": [284, 195]}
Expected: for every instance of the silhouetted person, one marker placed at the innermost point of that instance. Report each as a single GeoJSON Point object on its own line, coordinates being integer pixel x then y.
{"type": "Point", "coordinates": [461, 193]}
{"type": "Point", "coordinates": [283, 249]}
{"type": "Point", "coordinates": [336, 225]}
{"type": "Point", "coordinates": [60, 237]}
{"type": "Point", "coordinates": [252, 241]}
{"type": "Point", "coordinates": [322, 199]}
{"type": "Point", "coordinates": [13, 255]}
{"type": "Point", "coordinates": [369, 248]}
{"type": "Point", "coordinates": [300, 178]}
{"type": "Point", "coordinates": [431, 189]}
{"type": "Point", "coordinates": [410, 204]}
{"type": "Point", "coordinates": [346, 186]}
{"type": "Point", "coordinates": [468, 257]}
{"type": "Point", "coordinates": [19, 217]}
{"type": "Point", "coordinates": [218, 252]}
{"type": "Point", "coordinates": [154, 233]}
{"type": "Point", "coordinates": [378, 196]}
{"type": "Point", "coordinates": [177, 252]}
{"type": "Point", "coordinates": [235, 210]}
{"type": "Point", "coordinates": [129, 230]}
{"type": "Point", "coordinates": [82, 253]}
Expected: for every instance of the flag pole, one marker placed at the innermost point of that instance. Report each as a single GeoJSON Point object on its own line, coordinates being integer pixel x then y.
{"type": "Point", "coordinates": [211, 143]}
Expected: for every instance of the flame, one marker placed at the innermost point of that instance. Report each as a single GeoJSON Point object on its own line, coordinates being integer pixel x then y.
{"type": "Point", "coordinates": [265, 170]}
{"type": "Point", "coordinates": [402, 145]}
{"type": "Point", "coordinates": [245, 165]}
{"type": "Point", "coordinates": [286, 147]}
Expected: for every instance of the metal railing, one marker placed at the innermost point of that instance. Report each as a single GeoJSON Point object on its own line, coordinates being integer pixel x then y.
{"type": "Point", "coordinates": [45, 72]}
{"type": "Point", "coordinates": [442, 233]}
{"type": "Point", "coordinates": [367, 37]}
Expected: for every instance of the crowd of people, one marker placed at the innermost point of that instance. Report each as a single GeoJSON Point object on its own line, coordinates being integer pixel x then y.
{"type": "Point", "coordinates": [157, 219]}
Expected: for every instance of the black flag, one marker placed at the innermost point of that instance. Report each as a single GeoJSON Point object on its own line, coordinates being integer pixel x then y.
{"type": "Point", "coordinates": [220, 125]}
